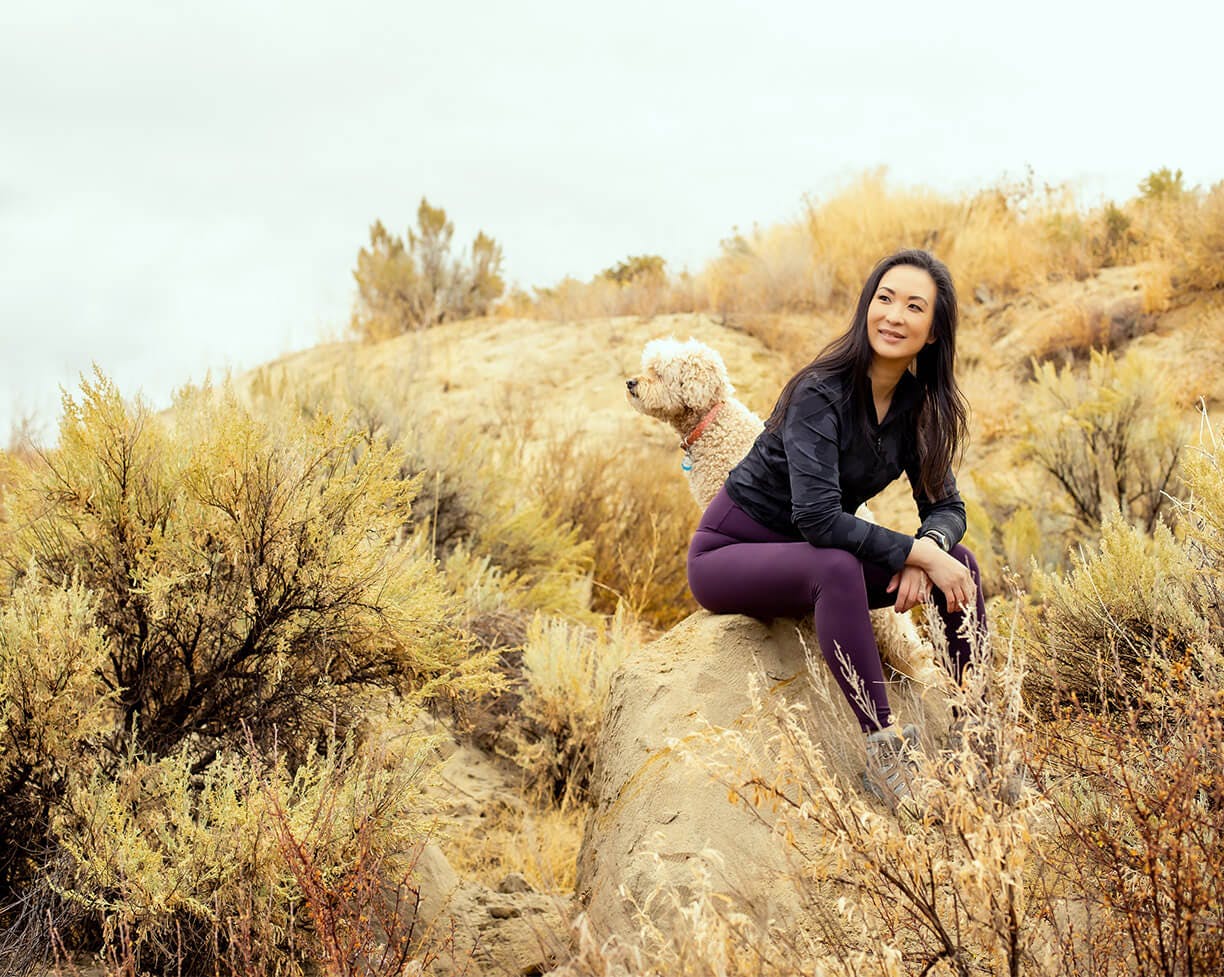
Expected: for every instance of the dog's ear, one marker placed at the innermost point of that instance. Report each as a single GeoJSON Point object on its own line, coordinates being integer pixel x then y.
{"type": "Point", "coordinates": [700, 376]}
{"type": "Point", "coordinates": [705, 380]}
{"type": "Point", "coordinates": [724, 380]}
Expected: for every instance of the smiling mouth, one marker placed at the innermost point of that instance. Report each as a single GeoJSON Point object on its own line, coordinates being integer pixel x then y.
{"type": "Point", "coordinates": [888, 334]}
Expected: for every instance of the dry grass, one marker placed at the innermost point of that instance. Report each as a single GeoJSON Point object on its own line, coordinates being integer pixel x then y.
{"type": "Point", "coordinates": [568, 670]}
{"type": "Point", "coordinates": [1000, 242]}
{"type": "Point", "coordinates": [541, 844]}
{"type": "Point", "coordinates": [638, 519]}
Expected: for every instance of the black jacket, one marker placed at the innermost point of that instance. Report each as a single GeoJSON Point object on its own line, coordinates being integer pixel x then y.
{"type": "Point", "coordinates": [807, 480]}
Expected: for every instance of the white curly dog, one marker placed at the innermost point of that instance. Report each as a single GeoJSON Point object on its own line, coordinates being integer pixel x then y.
{"type": "Point", "coordinates": [685, 385]}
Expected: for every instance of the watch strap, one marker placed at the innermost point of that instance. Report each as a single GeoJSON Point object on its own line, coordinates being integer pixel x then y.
{"type": "Point", "coordinates": [940, 539]}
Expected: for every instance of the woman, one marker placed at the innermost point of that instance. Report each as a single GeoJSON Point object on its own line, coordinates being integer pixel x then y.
{"type": "Point", "coordinates": [780, 539]}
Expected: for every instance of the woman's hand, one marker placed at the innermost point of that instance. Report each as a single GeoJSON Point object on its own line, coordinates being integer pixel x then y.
{"type": "Point", "coordinates": [946, 572]}
{"type": "Point", "coordinates": [913, 586]}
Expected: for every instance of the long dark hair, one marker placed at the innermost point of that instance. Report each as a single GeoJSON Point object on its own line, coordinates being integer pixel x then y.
{"type": "Point", "coordinates": [942, 426]}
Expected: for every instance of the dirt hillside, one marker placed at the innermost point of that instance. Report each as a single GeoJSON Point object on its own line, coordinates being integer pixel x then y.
{"type": "Point", "coordinates": [569, 376]}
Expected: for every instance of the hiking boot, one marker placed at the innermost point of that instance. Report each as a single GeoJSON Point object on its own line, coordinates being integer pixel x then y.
{"type": "Point", "coordinates": [892, 766]}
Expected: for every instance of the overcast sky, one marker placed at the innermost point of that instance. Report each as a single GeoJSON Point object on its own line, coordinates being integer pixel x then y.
{"type": "Point", "coordinates": [185, 187]}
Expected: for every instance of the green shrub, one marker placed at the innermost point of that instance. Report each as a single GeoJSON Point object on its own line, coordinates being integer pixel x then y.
{"type": "Point", "coordinates": [245, 569]}
{"type": "Point", "coordinates": [1201, 520]}
{"type": "Point", "coordinates": [1110, 436]}
{"type": "Point", "coordinates": [1119, 607]}
{"type": "Point", "coordinates": [475, 493]}
{"type": "Point", "coordinates": [637, 268]}
{"type": "Point", "coordinates": [178, 586]}
{"type": "Point", "coordinates": [54, 712]}
{"type": "Point", "coordinates": [1162, 184]}
{"type": "Point", "coordinates": [1011, 536]}
{"type": "Point", "coordinates": [1116, 235]}
{"type": "Point", "coordinates": [248, 868]}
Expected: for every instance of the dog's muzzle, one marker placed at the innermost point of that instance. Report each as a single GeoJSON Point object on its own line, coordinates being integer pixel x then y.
{"type": "Point", "coordinates": [632, 387]}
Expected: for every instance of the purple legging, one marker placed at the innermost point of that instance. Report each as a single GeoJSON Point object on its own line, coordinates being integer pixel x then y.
{"type": "Point", "coordinates": [738, 566]}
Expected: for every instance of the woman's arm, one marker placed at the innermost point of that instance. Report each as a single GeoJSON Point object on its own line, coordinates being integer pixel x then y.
{"type": "Point", "coordinates": [945, 516]}
{"type": "Point", "coordinates": [811, 436]}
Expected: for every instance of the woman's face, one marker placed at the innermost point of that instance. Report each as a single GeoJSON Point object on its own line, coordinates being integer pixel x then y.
{"type": "Point", "coordinates": [901, 313]}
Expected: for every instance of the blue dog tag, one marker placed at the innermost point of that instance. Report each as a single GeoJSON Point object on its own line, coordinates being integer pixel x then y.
{"type": "Point", "coordinates": [687, 463]}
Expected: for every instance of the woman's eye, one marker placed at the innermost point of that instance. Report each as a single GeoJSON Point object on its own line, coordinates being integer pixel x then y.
{"type": "Point", "coordinates": [916, 308]}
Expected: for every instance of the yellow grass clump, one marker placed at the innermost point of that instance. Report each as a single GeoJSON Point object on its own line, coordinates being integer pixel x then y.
{"type": "Point", "coordinates": [569, 671]}
{"type": "Point", "coordinates": [540, 843]}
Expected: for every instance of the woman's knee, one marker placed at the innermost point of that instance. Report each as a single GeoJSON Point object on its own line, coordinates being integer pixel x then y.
{"type": "Point", "coordinates": [703, 577]}
{"type": "Point", "coordinates": [834, 571]}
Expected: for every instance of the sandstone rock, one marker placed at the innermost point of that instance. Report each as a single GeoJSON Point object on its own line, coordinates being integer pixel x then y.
{"type": "Point", "coordinates": [510, 931]}
{"type": "Point", "coordinates": [435, 879]}
{"type": "Point", "coordinates": [654, 813]}
{"type": "Point", "coordinates": [514, 882]}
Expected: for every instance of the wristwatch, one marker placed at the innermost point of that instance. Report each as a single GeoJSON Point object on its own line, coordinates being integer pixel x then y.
{"type": "Point", "coordinates": [940, 539]}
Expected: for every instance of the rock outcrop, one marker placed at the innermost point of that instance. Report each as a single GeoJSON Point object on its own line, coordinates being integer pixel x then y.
{"type": "Point", "coordinates": [655, 810]}
{"type": "Point", "coordinates": [508, 930]}
{"type": "Point", "coordinates": [475, 929]}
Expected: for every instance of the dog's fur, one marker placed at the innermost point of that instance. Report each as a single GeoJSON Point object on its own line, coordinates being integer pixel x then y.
{"type": "Point", "coordinates": [679, 384]}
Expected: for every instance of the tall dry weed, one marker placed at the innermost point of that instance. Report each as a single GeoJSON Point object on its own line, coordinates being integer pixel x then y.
{"type": "Point", "coordinates": [637, 519]}
{"type": "Point", "coordinates": [1137, 885]}
{"type": "Point", "coordinates": [539, 842]}
{"type": "Point", "coordinates": [998, 242]}
{"type": "Point", "coordinates": [569, 669]}
{"type": "Point", "coordinates": [1180, 228]}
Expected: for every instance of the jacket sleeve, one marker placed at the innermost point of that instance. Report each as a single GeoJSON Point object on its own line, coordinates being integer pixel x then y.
{"type": "Point", "coordinates": [946, 514]}
{"type": "Point", "coordinates": [812, 435]}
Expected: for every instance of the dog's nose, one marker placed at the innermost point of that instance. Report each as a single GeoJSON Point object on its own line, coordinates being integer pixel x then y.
{"type": "Point", "coordinates": [631, 384]}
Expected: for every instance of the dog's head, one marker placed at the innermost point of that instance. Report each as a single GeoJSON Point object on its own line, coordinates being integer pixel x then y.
{"type": "Point", "coordinates": [678, 380]}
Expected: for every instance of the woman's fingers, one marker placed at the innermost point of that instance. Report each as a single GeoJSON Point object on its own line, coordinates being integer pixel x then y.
{"type": "Point", "coordinates": [958, 589]}
{"type": "Point", "coordinates": [962, 593]}
{"type": "Point", "coordinates": [913, 586]}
